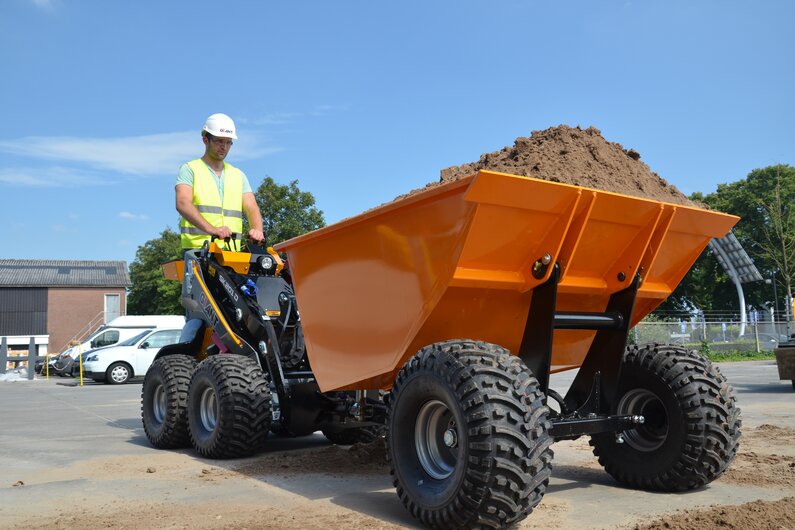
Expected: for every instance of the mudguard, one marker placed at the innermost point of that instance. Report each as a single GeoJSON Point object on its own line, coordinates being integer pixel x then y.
{"type": "Point", "coordinates": [190, 341]}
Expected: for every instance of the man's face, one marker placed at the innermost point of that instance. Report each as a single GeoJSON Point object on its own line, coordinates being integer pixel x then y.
{"type": "Point", "coordinates": [217, 148]}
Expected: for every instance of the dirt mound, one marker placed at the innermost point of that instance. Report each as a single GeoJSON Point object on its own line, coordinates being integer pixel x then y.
{"type": "Point", "coordinates": [572, 155]}
{"type": "Point", "coordinates": [763, 470]}
{"type": "Point", "coordinates": [775, 433]}
{"type": "Point", "coordinates": [757, 515]}
{"type": "Point", "coordinates": [334, 460]}
{"type": "Point", "coordinates": [766, 458]}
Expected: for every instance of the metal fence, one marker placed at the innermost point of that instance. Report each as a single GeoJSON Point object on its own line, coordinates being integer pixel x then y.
{"type": "Point", "coordinates": [721, 335]}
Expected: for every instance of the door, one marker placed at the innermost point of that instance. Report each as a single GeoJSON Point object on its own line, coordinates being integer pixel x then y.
{"type": "Point", "coordinates": [147, 349]}
{"type": "Point", "coordinates": [112, 307]}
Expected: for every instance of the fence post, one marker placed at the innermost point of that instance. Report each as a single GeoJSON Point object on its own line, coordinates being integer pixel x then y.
{"type": "Point", "coordinates": [31, 359]}
{"type": "Point", "coordinates": [3, 355]}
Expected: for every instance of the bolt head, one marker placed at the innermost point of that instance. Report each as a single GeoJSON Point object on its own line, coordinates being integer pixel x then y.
{"type": "Point", "coordinates": [450, 438]}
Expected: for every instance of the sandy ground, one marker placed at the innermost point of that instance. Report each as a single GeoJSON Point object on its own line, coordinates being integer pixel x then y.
{"type": "Point", "coordinates": [308, 483]}
{"type": "Point", "coordinates": [304, 489]}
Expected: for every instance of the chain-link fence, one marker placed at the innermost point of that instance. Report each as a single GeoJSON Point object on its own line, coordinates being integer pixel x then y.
{"type": "Point", "coordinates": [721, 335]}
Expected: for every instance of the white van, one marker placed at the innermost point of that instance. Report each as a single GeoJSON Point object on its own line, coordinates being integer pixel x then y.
{"type": "Point", "coordinates": [130, 358]}
{"type": "Point", "coordinates": [119, 329]}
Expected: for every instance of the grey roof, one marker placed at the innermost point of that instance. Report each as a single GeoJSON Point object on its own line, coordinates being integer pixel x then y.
{"type": "Point", "coordinates": [63, 273]}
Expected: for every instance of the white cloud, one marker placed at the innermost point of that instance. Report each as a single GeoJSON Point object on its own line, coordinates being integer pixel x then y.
{"type": "Point", "coordinates": [44, 4]}
{"type": "Point", "coordinates": [328, 109]}
{"type": "Point", "coordinates": [50, 177]}
{"type": "Point", "coordinates": [276, 118]}
{"type": "Point", "coordinates": [133, 216]}
{"type": "Point", "coordinates": [63, 229]}
{"type": "Point", "coordinates": [282, 118]}
{"type": "Point", "coordinates": [153, 154]}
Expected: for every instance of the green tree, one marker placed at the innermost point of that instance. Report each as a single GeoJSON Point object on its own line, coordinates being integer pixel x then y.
{"type": "Point", "coordinates": [706, 286]}
{"type": "Point", "coordinates": [286, 210]}
{"type": "Point", "coordinates": [765, 202]}
{"type": "Point", "coordinates": [151, 293]}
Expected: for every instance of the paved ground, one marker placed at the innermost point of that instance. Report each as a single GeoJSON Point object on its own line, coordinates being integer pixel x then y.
{"type": "Point", "coordinates": [74, 457]}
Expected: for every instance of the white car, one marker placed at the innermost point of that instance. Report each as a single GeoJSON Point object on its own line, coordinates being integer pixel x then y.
{"type": "Point", "coordinates": [120, 363]}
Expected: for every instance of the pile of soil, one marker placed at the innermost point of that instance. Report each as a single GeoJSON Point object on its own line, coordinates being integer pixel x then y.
{"type": "Point", "coordinates": [572, 155]}
{"type": "Point", "coordinates": [757, 515]}
{"type": "Point", "coordinates": [334, 460]}
{"type": "Point", "coordinates": [766, 458]}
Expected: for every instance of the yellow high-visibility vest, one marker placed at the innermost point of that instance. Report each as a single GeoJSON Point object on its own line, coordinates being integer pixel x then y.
{"type": "Point", "coordinates": [208, 202]}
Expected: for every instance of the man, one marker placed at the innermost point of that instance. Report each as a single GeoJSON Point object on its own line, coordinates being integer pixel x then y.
{"type": "Point", "coordinates": [213, 195]}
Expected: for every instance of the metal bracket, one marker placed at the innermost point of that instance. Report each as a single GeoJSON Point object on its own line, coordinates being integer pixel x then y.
{"type": "Point", "coordinates": [536, 348]}
{"type": "Point", "coordinates": [605, 355]}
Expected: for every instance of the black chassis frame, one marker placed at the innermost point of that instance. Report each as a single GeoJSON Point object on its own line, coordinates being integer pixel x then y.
{"type": "Point", "coordinates": [590, 404]}
{"type": "Point", "coordinates": [303, 408]}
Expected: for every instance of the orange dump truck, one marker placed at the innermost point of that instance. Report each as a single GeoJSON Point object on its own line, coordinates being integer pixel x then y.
{"type": "Point", "coordinates": [436, 321]}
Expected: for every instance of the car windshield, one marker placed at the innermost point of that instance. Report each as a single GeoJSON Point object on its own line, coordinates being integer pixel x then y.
{"type": "Point", "coordinates": [133, 340]}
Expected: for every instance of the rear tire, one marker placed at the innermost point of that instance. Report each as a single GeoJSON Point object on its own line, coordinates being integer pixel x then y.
{"type": "Point", "coordinates": [164, 398]}
{"type": "Point", "coordinates": [692, 425]}
{"type": "Point", "coordinates": [118, 373]}
{"type": "Point", "coordinates": [229, 407]}
{"type": "Point", "coordinates": [468, 436]}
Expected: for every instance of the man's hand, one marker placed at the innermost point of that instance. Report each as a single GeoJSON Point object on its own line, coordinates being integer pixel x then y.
{"type": "Point", "coordinates": [256, 235]}
{"type": "Point", "coordinates": [221, 232]}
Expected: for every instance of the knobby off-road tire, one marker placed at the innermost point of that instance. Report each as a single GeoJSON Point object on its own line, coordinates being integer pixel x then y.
{"type": "Point", "coordinates": [164, 398]}
{"type": "Point", "coordinates": [692, 425]}
{"type": "Point", "coordinates": [468, 436]}
{"type": "Point", "coordinates": [229, 407]}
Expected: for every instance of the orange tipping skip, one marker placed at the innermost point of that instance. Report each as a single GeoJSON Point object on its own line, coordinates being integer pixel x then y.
{"type": "Point", "coordinates": [455, 261]}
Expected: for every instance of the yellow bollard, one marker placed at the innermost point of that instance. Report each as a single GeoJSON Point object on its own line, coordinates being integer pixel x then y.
{"type": "Point", "coordinates": [80, 358]}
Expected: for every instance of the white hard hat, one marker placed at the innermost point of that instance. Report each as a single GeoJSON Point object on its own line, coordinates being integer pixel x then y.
{"type": "Point", "coordinates": [221, 126]}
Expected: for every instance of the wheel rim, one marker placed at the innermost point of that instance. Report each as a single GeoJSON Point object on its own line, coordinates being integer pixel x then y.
{"type": "Point", "coordinates": [208, 409]}
{"type": "Point", "coordinates": [436, 439]}
{"type": "Point", "coordinates": [159, 404]}
{"type": "Point", "coordinates": [119, 374]}
{"type": "Point", "coordinates": [652, 433]}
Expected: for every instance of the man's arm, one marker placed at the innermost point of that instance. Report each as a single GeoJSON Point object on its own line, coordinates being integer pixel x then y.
{"type": "Point", "coordinates": [254, 217]}
{"type": "Point", "coordinates": [188, 210]}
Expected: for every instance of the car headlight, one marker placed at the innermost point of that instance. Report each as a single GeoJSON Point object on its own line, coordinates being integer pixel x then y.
{"type": "Point", "coordinates": [92, 358]}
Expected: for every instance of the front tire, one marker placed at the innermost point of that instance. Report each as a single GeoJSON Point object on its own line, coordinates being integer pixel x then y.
{"type": "Point", "coordinates": [118, 373]}
{"type": "Point", "coordinates": [691, 430]}
{"type": "Point", "coordinates": [229, 407]}
{"type": "Point", "coordinates": [468, 436]}
{"type": "Point", "coordinates": [164, 398]}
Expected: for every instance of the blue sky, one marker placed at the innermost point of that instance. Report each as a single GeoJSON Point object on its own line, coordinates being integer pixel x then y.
{"type": "Point", "coordinates": [361, 101]}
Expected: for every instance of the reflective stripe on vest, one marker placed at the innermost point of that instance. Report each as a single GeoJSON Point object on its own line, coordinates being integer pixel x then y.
{"type": "Point", "coordinates": [208, 202]}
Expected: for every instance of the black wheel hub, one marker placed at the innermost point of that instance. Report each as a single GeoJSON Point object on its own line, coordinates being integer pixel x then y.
{"type": "Point", "coordinates": [651, 434]}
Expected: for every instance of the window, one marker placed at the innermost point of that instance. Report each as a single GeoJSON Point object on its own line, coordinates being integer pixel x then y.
{"type": "Point", "coordinates": [159, 339]}
{"type": "Point", "coordinates": [105, 339]}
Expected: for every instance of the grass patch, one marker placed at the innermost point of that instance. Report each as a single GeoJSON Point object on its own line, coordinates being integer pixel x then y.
{"type": "Point", "coordinates": [736, 355]}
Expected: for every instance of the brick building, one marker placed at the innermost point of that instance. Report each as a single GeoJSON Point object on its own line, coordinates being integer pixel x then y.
{"type": "Point", "coordinates": [56, 301]}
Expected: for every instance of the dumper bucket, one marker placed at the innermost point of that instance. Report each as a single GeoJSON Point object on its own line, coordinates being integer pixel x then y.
{"type": "Point", "coordinates": [461, 260]}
